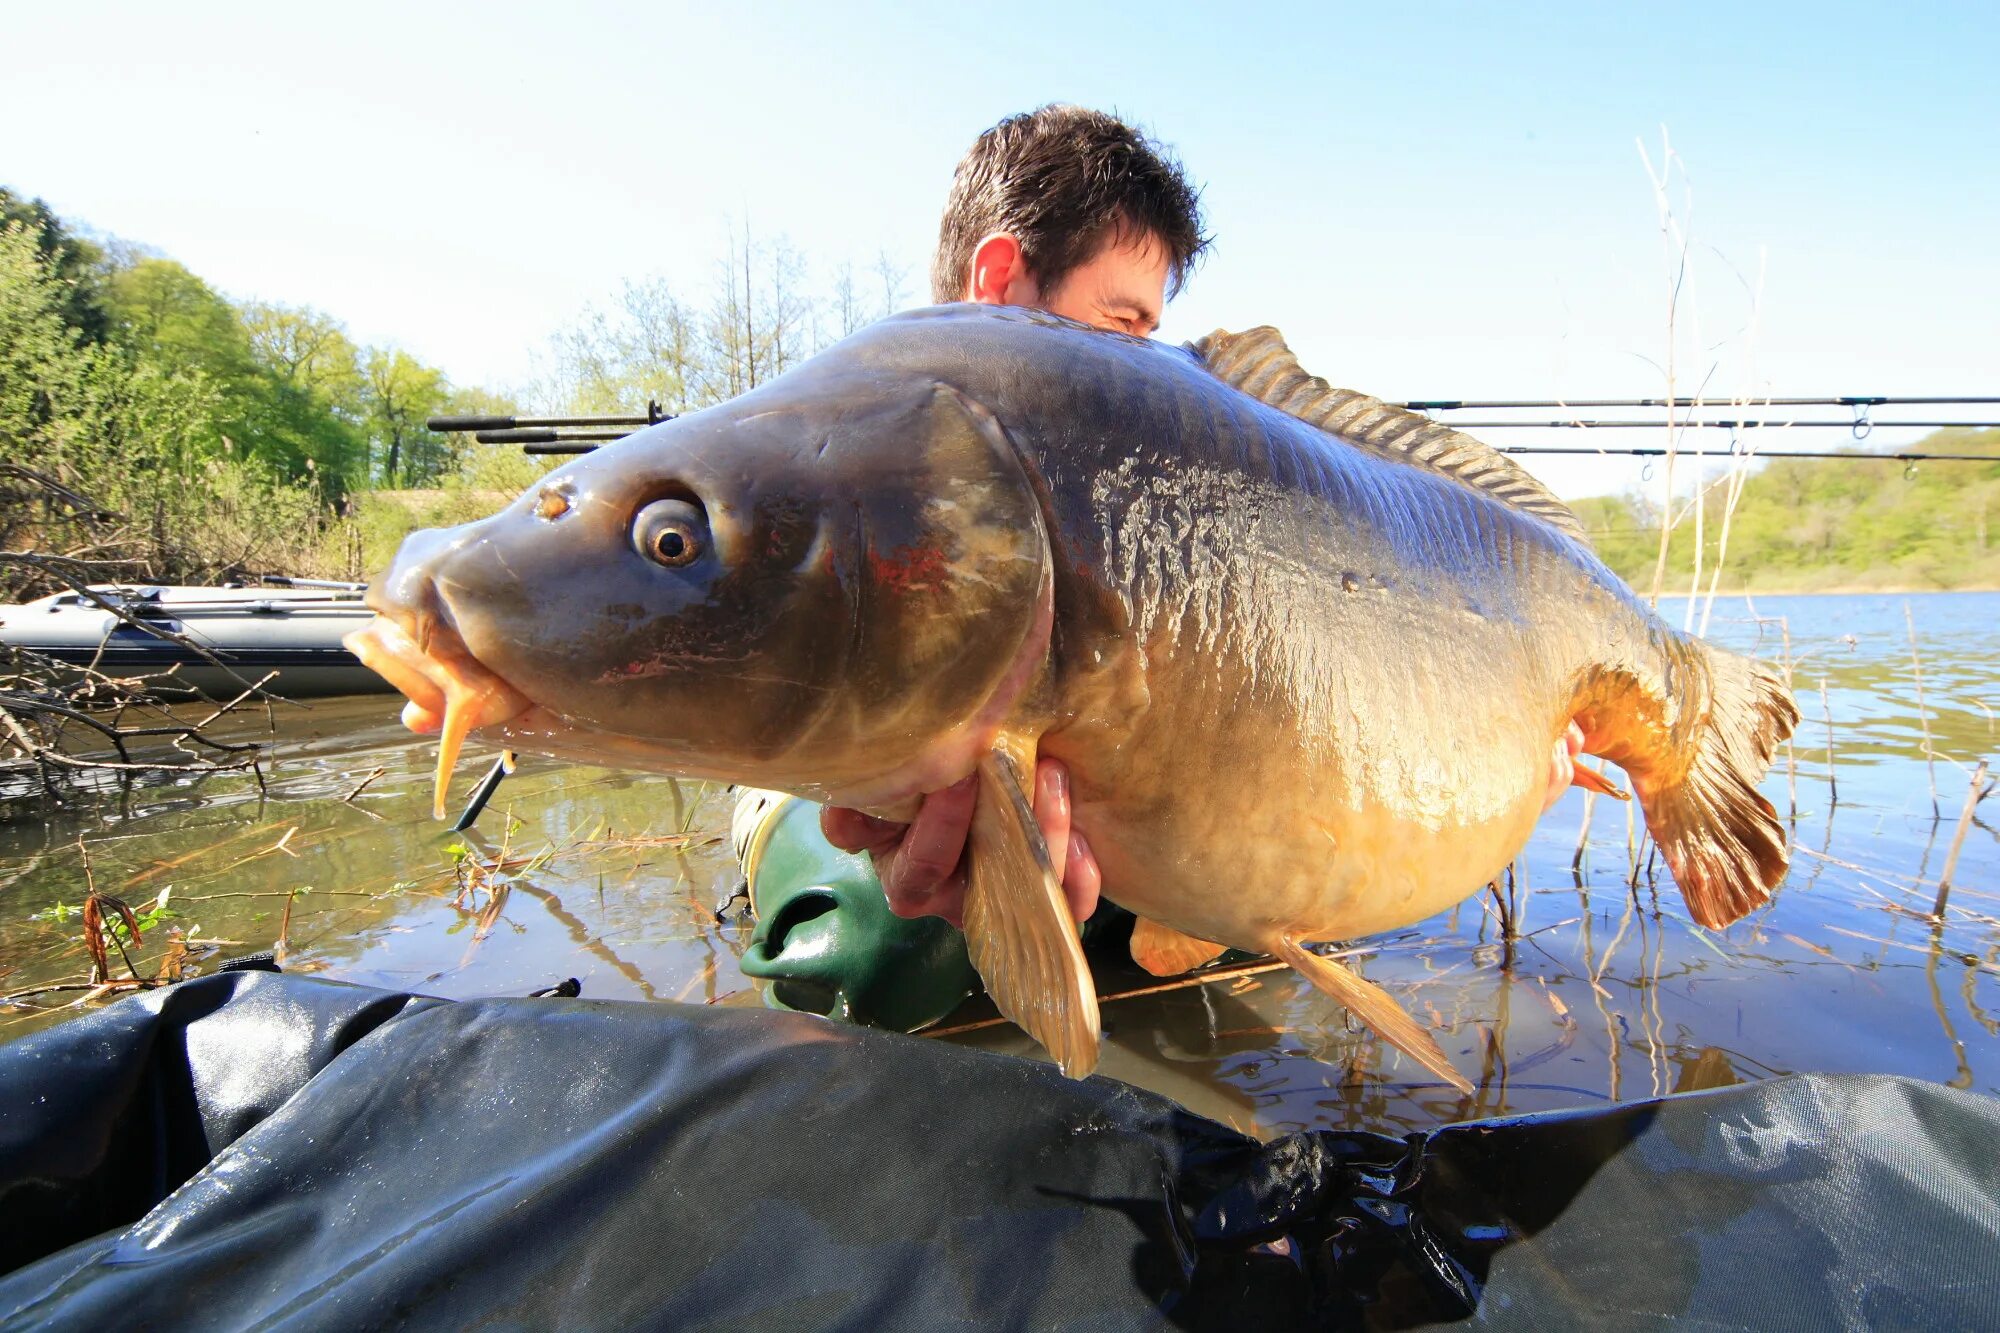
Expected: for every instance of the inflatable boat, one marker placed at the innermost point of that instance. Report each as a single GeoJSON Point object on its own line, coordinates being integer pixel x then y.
{"type": "Point", "coordinates": [293, 629]}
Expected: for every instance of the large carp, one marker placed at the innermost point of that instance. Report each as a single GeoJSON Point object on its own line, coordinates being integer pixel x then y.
{"type": "Point", "coordinates": [1306, 655]}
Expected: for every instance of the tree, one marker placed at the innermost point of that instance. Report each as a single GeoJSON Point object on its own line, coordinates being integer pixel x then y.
{"type": "Point", "coordinates": [44, 360]}
{"type": "Point", "coordinates": [304, 347]}
{"type": "Point", "coordinates": [846, 305]}
{"type": "Point", "coordinates": [648, 347]}
{"type": "Point", "coordinates": [892, 276]}
{"type": "Point", "coordinates": [659, 348]}
{"type": "Point", "coordinates": [74, 265]}
{"type": "Point", "coordinates": [309, 414]}
{"type": "Point", "coordinates": [401, 393]}
{"type": "Point", "coordinates": [170, 317]}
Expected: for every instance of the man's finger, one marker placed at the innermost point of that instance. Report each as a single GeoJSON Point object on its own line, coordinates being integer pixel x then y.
{"type": "Point", "coordinates": [852, 831]}
{"type": "Point", "coordinates": [948, 903]}
{"type": "Point", "coordinates": [1084, 881]}
{"type": "Point", "coordinates": [932, 846]}
{"type": "Point", "coordinates": [1052, 810]}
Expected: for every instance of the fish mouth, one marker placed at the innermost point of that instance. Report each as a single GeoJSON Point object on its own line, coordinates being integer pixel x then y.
{"type": "Point", "coordinates": [449, 691]}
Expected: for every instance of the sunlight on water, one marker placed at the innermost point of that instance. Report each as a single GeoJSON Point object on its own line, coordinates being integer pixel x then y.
{"type": "Point", "coordinates": [1612, 993]}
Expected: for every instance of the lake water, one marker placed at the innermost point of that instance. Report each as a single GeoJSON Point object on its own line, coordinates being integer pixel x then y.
{"type": "Point", "coordinates": [1611, 994]}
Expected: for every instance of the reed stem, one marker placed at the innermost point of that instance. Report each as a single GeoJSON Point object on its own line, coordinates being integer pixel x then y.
{"type": "Point", "coordinates": [1583, 836]}
{"type": "Point", "coordinates": [1923, 717]}
{"type": "Point", "coordinates": [1974, 794]}
{"type": "Point", "coordinates": [1791, 757]}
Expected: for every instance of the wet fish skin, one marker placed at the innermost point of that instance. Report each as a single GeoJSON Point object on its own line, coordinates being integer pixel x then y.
{"type": "Point", "coordinates": [1306, 691]}
{"type": "Point", "coordinates": [830, 631]}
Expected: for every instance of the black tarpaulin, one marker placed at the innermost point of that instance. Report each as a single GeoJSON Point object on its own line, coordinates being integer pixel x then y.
{"type": "Point", "coordinates": [256, 1150]}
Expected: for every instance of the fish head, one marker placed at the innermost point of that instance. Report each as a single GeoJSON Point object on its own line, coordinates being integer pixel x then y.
{"type": "Point", "coordinates": [836, 585]}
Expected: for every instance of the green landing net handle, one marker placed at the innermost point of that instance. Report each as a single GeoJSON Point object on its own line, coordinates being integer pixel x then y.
{"type": "Point", "coordinates": [826, 941]}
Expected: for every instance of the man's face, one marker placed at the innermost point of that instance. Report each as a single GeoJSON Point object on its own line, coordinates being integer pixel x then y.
{"type": "Point", "coordinates": [1122, 287]}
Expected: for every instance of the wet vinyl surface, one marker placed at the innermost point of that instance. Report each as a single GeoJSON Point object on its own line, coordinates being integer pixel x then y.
{"type": "Point", "coordinates": [1608, 993]}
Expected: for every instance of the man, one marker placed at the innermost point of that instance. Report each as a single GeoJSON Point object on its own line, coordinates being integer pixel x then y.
{"type": "Point", "coordinates": [1074, 212]}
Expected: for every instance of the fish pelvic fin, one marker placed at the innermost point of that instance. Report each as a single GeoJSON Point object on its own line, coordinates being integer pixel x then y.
{"type": "Point", "coordinates": [1166, 952]}
{"type": "Point", "coordinates": [1373, 1006]}
{"type": "Point", "coordinates": [1721, 838]}
{"type": "Point", "coordinates": [1018, 929]}
{"type": "Point", "coordinates": [1258, 362]}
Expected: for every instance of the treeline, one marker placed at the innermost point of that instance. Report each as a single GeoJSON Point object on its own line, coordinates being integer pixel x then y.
{"type": "Point", "coordinates": [200, 438]}
{"type": "Point", "coordinates": [115, 353]}
{"type": "Point", "coordinates": [1803, 525]}
{"type": "Point", "coordinates": [155, 430]}
{"type": "Point", "coordinates": [763, 314]}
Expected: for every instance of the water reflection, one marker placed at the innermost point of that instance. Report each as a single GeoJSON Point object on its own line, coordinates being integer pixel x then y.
{"type": "Point", "coordinates": [1611, 993]}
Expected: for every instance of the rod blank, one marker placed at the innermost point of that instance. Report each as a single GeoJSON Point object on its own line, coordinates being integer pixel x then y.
{"type": "Point", "coordinates": [1660, 451]}
{"type": "Point", "coordinates": [547, 435]}
{"type": "Point", "coordinates": [1712, 424]}
{"type": "Point", "coordinates": [1835, 400]}
{"type": "Point", "coordinates": [652, 416]}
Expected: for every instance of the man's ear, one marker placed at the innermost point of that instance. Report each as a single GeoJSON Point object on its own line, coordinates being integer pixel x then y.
{"type": "Point", "coordinates": [999, 277]}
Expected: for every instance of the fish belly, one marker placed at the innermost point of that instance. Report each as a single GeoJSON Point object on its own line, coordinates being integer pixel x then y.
{"type": "Point", "coordinates": [1240, 877]}
{"type": "Point", "coordinates": [1324, 794]}
{"type": "Point", "coordinates": [1230, 819]}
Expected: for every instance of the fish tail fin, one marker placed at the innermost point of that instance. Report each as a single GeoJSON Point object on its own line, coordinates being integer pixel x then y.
{"type": "Point", "coordinates": [1722, 839]}
{"type": "Point", "coordinates": [1373, 1006]}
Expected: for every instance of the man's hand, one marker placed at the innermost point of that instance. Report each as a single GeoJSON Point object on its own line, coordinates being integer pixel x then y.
{"type": "Point", "coordinates": [922, 864]}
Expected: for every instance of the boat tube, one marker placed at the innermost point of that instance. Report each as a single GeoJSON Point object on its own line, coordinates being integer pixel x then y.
{"type": "Point", "coordinates": [293, 630]}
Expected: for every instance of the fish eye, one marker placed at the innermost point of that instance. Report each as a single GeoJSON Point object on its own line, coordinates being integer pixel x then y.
{"type": "Point", "coordinates": [673, 533]}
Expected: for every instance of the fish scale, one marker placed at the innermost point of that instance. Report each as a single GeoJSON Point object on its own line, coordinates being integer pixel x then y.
{"type": "Point", "coordinates": [1309, 686]}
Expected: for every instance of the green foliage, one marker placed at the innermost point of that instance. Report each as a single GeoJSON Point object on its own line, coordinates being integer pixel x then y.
{"type": "Point", "coordinates": [220, 438]}
{"type": "Point", "coordinates": [1809, 525]}
{"type": "Point", "coordinates": [288, 394]}
{"type": "Point", "coordinates": [72, 263]}
{"type": "Point", "coordinates": [310, 403]}
{"type": "Point", "coordinates": [400, 394]}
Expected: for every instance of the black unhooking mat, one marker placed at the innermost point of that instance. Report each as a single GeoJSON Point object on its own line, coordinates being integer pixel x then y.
{"type": "Point", "coordinates": [256, 1150]}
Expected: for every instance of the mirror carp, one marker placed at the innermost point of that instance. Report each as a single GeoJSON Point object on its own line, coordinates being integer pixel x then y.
{"type": "Point", "coordinates": [1310, 658]}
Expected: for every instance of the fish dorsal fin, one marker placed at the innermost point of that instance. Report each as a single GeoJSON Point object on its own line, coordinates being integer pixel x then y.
{"type": "Point", "coordinates": [1257, 362]}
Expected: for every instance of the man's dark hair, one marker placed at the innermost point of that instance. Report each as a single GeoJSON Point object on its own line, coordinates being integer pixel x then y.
{"type": "Point", "coordinates": [1063, 180]}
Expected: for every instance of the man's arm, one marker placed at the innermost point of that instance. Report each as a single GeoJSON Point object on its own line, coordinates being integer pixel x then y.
{"type": "Point", "coordinates": [922, 864]}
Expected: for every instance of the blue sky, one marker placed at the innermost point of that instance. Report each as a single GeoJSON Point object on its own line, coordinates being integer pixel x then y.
{"type": "Point", "coordinates": [1430, 200]}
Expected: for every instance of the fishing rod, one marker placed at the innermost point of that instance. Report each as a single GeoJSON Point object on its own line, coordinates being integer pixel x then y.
{"type": "Point", "coordinates": [1840, 400]}
{"type": "Point", "coordinates": [1862, 428]}
{"type": "Point", "coordinates": [581, 443]}
{"type": "Point", "coordinates": [654, 415]}
{"type": "Point", "coordinates": [537, 434]}
{"type": "Point", "coordinates": [1661, 451]}
{"type": "Point", "coordinates": [555, 436]}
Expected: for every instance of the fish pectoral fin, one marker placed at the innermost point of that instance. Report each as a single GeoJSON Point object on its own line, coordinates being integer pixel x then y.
{"type": "Point", "coordinates": [1017, 924]}
{"type": "Point", "coordinates": [1166, 952]}
{"type": "Point", "coordinates": [1591, 780]}
{"type": "Point", "coordinates": [1373, 1006]}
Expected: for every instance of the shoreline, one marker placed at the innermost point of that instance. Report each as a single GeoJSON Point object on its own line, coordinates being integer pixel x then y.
{"type": "Point", "coordinates": [1841, 591]}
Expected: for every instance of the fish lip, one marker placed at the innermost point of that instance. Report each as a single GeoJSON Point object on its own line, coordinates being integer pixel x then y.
{"type": "Point", "coordinates": [426, 642]}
